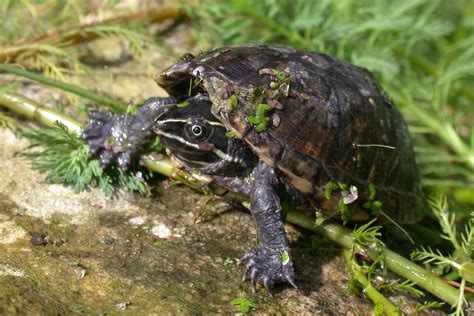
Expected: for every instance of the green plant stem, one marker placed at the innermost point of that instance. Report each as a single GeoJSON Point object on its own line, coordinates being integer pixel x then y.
{"type": "Point", "coordinates": [335, 232]}
{"type": "Point", "coordinates": [372, 293]}
{"type": "Point", "coordinates": [393, 261]}
{"type": "Point", "coordinates": [115, 105]}
{"type": "Point", "coordinates": [165, 167]}
{"type": "Point", "coordinates": [35, 111]}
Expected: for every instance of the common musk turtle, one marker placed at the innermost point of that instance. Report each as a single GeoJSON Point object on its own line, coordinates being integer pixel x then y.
{"type": "Point", "coordinates": [275, 123]}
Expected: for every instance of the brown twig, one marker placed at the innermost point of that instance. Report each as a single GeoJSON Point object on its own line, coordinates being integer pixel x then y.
{"type": "Point", "coordinates": [79, 34]}
{"type": "Point", "coordinates": [458, 285]}
{"type": "Point", "coordinates": [203, 207]}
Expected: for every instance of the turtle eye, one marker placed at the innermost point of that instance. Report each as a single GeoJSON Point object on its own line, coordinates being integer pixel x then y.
{"type": "Point", "coordinates": [196, 130]}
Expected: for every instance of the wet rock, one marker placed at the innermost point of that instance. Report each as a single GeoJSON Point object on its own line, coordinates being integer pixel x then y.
{"type": "Point", "coordinates": [137, 221]}
{"type": "Point", "coordinates": [122, 306]}
{"type": "Point", "coordinates": [10, 232]}
{"type": "Point", "coordinates": [7, 270]}
{"type": "Point", "coordinates": [163, 229]}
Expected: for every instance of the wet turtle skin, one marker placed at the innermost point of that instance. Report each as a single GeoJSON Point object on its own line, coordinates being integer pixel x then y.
{"type": "Point", "coordinates": [299, 121]}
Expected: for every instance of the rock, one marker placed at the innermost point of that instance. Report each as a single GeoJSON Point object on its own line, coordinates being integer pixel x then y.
{"type": "Point", "coordinates": [137, 221]}
{"type": "Point", "coordinates": [10, 232]}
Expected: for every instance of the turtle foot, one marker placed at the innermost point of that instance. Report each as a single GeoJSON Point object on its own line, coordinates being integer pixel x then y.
{"type": "Point", "coordinates": [99, 134]}
{"type": "Point", "coordinates": [268, 267]}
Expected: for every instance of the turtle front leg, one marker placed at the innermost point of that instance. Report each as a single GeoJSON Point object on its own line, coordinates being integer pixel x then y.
{"type": "Point", "coordinates": [271, 262]}
{"type": "Point", "coordinates": [119, 139]}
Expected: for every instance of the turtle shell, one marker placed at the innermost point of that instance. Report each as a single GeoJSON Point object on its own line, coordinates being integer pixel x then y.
{"type": "Point", "coordinates": [313, 118]}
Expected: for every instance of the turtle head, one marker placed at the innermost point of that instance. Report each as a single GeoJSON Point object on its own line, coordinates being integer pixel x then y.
{"type": "Point", "coordinates": [194, 137]}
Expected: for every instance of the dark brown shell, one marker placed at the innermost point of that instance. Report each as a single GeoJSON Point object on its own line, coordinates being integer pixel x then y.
{"type": "Point", "coordinates": [335, 124]}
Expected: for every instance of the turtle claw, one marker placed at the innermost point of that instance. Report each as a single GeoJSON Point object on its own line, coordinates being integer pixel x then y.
{"type": "Point", "coordinates": [265, 266]}
{"type": "Point", "coordinates": [245, 257]}
{"type": "Point", "coordinates": [244, 275]}
{"type": "Point", "coordinates": [290, 280]}
{"type": "Point", "coordinates": [124, 160]}
{"type": "Point", "coordinates": [268, 284]}
{"type": "Point", "coordinates": [106, 158]}
{"type": "Point", "coordinates": [97, 133]}
{"type": "Point", "coordinates": [253, 279]}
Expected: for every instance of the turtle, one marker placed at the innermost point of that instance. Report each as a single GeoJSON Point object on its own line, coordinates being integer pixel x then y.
{"type": "Point", "coordinates": [278, 125]}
